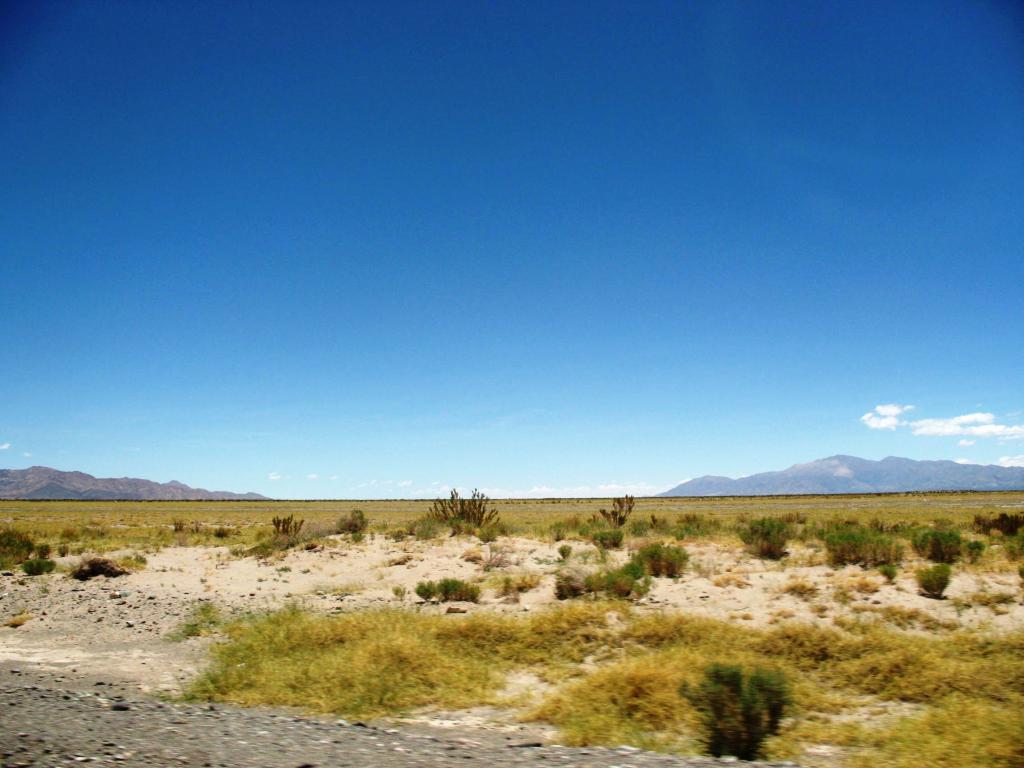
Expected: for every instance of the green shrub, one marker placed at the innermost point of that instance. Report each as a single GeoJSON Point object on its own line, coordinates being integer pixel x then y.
{"type": "Point", "coordinates": [15, 546]}
{"type": "Point", "coordinates": [38, 566]}
{"type": "Point", "coordinates": [975, 549]}
{"type": "Point", "coordinates": [426, 590]}
{"type": "Point", "coordinates": [609, 538]}
{"type": "Point", "coordinates": [559, 531]}
{"type": "Point", "coordinates": [354, 522]}
{"type": "Point", "coordinates": [939, 546]}
{"type": "Point", "coordinates": [662, 560]}
{"type": "Point", "coordinates": [222, 532]}
{"type": "Point", "coordinates": [933, 581]}
{"type": "Point", "coordinates": [565, 552]}
{"type": "Point", "coordinates": [889, 571]}
{"type": "Point", "coordinates": [766, 537]}
{"type": "Point", "coordinates": [43, 550]}
{"type": "Point", "coordinates": [739, 711]}
{"type": "Point", "coordinates": [855, 544]}
{"type": "Point", "coordinates": [1020, 572]}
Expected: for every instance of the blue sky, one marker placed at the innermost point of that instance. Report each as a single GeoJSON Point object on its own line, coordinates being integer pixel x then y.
{"type": "Point", "coordinates": [376, 249]}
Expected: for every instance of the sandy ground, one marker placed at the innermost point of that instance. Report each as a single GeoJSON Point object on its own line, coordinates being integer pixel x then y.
{"type": "Point", "coordinates": [119, 627]}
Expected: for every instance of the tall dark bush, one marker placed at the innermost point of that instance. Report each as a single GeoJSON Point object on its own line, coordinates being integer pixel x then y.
{"type": "Point", "coordinates": [939, 546]}
{"type": "Point", "coordinates": [740, 710]}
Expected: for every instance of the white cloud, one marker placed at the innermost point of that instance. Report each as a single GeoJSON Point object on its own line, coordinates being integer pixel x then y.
{"type": "Point", "coordinates": [273, 476]}
{"type": "Point", "coordinates": [333, 477]}
{"type": "Point", "coordinates": [312, 476]}
{"type": "Point", "coordinates": [973, 424]}
{"type": "Point", "coordinates": [404, 483]}
{"type": "Point", "coordinates": [4, 446]}
{"type": "Point", "coordinates": [963, 461]}
{"type": "Point", "coordinates": [27, 455]}
{"type": "Point", "coordinates": [1011, 461]}
{"type": "Point", "coordinates": [886, 416]}
{"type": "Point", "coordinates": [978, 424]}
{"type": "Point", "coordinates": [965, 442]}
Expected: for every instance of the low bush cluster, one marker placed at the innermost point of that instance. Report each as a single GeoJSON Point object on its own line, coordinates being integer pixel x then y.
{"type": "Point", "coordinates": [448, 590]}
{"type": "Point", "coordinates": [662, 560]}
{"type": "Point", "coordinates": [859, 545]}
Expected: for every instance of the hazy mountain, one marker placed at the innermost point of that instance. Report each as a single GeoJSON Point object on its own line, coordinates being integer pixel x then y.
{"type": "Point", "coordinates": [849, 474]}
{"type": "Point", "coordinates": [46, 483]}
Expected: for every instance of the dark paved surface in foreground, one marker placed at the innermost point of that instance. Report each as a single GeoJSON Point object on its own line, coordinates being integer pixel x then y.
{"type": "Point", "coordinates": [50, 721]}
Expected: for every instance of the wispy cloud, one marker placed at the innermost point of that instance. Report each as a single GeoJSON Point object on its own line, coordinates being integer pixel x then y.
{"type": "Point", "coordinates": [886, 416]}
{"type": "Point", "coordinates": [968, 425]}
{"type": "Point", "coordinates": [273, 475]}
{"type": "Point", "coordinates": [312, 476]}
{"type": "Point", "coordinates": [4, 446]}
{"type": "Point", "coordinates": [1011, 461]}
{"type": "Point", "coordinates": [965, 442]}
{"type": "Point", "coordinates": [27, 454]}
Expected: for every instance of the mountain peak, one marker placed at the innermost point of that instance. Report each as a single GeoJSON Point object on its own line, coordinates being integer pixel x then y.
{"type": "Point", "coordinates": [852, 474]}
{"type": "Point", "coordinates": [47, 483]}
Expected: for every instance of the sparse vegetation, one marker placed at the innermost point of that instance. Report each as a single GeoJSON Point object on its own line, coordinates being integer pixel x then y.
{"type": "Point", "coordinates": [204, 620]}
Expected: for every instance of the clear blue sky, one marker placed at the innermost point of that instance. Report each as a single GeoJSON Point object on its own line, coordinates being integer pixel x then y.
{"type": "Point", "coordinates": [576, 247]}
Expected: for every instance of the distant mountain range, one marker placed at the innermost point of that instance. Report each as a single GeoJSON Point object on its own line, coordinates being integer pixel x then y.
{"type": "Point", "coordinates": [46, 483]}
{"type": "Point", "coordinates": [849, 474]}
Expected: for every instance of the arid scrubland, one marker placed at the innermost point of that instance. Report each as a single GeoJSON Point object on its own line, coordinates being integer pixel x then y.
{"type": "Point", "coordinates": [892, 627]}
